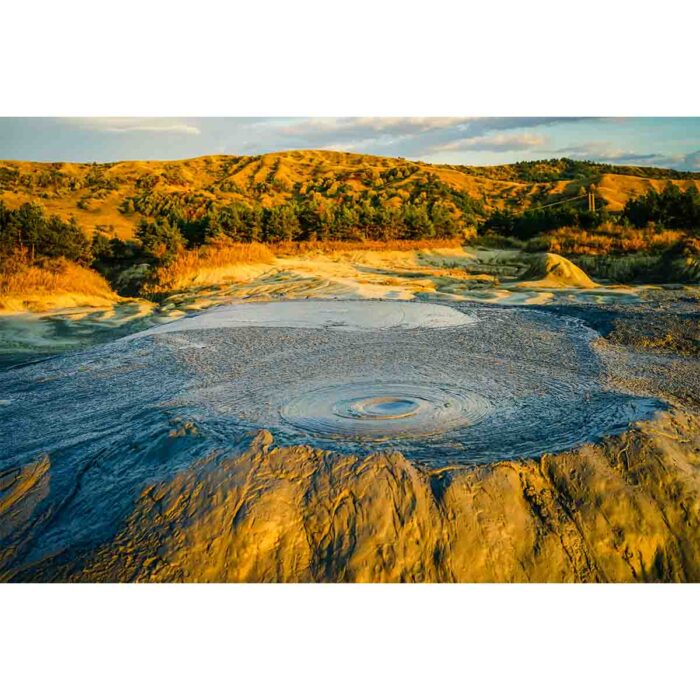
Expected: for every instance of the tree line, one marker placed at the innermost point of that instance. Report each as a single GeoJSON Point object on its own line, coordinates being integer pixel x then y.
{"type": "Point", "coordinates": [528, 224]}
{"type": "Point", "coordinates": [160, 238]}
{"type": "Point", "coordinates": [41, 236]}
{"type": "Point", "coordinates": [672, 208]}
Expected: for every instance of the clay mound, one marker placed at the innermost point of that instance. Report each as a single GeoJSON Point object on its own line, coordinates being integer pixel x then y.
{"type": "Point", "coordinates": [553, 271]}
{"type": "Point", "coordinates": [297, 514]}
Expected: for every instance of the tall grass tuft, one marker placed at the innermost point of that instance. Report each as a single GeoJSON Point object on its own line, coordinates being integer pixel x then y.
{"type": "Point", "coordinates": [19, 277]}
{"type": "Point", "coordinates": [609, 239]}
{"type": "Point", "coordinates": [184, 268]}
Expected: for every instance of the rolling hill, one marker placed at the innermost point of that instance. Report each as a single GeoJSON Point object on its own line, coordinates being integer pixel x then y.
{"type": "Point", "coordinates": [113, 197]}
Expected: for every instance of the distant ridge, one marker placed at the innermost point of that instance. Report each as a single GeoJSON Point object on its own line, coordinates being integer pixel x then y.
{"type": "Point", "coordinates": [113, 197]}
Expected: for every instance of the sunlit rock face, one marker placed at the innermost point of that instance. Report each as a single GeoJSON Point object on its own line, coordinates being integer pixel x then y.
{"type": "Point", "coordinates": [627, 509]}
{"type": "Point", "coordinates": [447, 387]}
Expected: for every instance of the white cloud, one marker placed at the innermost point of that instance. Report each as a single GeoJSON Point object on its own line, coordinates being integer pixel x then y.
{"type": "Point", "coordinates": [692, 161]}
{"type": "Point", "coordinates": [372, 125]}
{"type": "Point", "coordinates": [602, 149]}
{"type": "Point", "coordinates": [498, 142]}
{"type": "Point", "coordinates": [412, 136]}
{"type": "Point", "coordinates": [125, 125]}
{"type": "Point", "coordinates": [171, 128]}
{"type": "Point", "coordinates": [609, 153]}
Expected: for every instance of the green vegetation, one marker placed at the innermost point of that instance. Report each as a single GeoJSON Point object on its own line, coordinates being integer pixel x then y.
{"type": "Point", "coordinates": [671, 208]}
{"type": "Point", "coordinates": [531, 223]}
{"type": "Point", "coordinates": [323, 209]}
{"type": "Point", "coordinates": [28, 228]}
{"type": "Point", "coordinates": [557, 169]}
{"type": "Point", "coordinates": [160, 240]}
{"type": "Point", "coordinates": [305, 219]}
{"type": "Point", "coordinates": [145, 216]}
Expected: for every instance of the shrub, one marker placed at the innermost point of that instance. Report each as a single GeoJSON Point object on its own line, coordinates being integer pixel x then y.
{"type": "Point", "coordinates": [28, 227]}
{"type": "Point", "coordinates": [670, 208]}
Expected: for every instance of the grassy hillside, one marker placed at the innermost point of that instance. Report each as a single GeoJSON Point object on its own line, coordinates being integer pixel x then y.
{"type": "Point", "coordinates": [111, 198]}
{"type": "Point", "coordinates": [144, 224]}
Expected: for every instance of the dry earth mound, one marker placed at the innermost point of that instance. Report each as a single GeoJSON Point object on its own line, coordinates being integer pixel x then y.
{"type": "Point", "coordinates": [551, 270]}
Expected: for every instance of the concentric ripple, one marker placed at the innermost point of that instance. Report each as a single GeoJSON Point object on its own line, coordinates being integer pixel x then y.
{"type": "Point", "coordinates": [514, 384]}
{"type": "Point", "coordinates": [382, 410]}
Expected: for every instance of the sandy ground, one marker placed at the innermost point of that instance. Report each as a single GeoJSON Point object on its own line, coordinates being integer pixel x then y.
{"type": "Point", "coordinates": [454, 274]}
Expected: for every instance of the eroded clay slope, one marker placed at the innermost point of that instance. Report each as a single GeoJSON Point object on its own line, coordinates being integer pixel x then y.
{"type": "Point", "coordinates": [624, 510]}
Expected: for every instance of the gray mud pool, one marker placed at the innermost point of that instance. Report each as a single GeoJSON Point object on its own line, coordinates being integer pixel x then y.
{"type": "Point", "coordinates": [444, 384]}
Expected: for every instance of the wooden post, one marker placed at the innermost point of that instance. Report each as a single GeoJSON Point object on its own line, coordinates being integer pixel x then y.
{"type": "Point", "coordinates": [591, 201]}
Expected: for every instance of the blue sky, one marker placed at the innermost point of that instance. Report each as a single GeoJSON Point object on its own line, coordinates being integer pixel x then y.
{"type": "Point", "coordinates": [656, 141]}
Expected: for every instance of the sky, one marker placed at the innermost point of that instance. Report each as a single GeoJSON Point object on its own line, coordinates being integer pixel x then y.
{"type": "Point", "coordinates": [672, 142]}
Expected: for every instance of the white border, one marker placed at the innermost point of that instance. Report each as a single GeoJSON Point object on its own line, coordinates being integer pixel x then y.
{"type": "Point", "coordinates": [366, 57]}
{"type": "Point", "coordinates": [154, 58]}
{"type": "Point", "coordinates": [320, 641]}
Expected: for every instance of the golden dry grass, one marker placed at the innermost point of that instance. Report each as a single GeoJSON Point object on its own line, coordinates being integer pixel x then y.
{"type": "Point", "coordinates": [325, 247]}
{"type": "Point", "coordinates": [189, 263]}
{"type": "Point", "coordinates": [606, 240]}
{"type": "Point", "coordinates": [190, 267]}
{"type": "Point", "coordinates": [18, 278]}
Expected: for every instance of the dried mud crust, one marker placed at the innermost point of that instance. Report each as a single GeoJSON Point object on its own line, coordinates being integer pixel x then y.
{"type": "Point", "coordinates": [668, 321]}
{"type": "Point", "coordinates": [651, 349]}
{"type": "Point", "coordinates": [625, 510]}
{"type": "Point", "coordinates": [673, 333]}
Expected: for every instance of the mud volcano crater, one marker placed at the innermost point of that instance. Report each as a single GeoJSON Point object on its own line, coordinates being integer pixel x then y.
{"type": "Point", "coordinates": [443, 384]}
{"type": "Point", "coordinates": [440, 383]}
{"type": "Point", "coordinates": [383, 410]}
